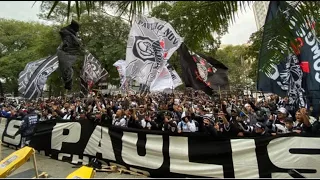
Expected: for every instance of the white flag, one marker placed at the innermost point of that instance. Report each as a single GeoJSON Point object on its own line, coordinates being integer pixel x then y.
{"type": "Point", "coordinates": [167, 79]}
{"type": "Point", "coordinates": [121, 67]}
{"type": "Point", "coordinates": [150, 45]}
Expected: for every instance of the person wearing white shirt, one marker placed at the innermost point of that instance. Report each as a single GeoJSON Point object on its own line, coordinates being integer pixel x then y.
{"type": "Point", "coordinates": [119, 119]}
{"type": "Point", "coordinates": [187, 124]}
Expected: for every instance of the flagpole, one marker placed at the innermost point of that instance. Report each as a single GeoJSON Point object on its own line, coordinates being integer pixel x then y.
{"type": "Point", "coordinates": [220, 97]}
{"type": "Point", "coordinates": [65, 96]}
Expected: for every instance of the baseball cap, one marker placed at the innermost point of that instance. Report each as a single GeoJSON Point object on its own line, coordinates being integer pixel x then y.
{"type": "Point", "coordinates": [282, 110]}
{"type": "Point", "coordinates": [260, 125]}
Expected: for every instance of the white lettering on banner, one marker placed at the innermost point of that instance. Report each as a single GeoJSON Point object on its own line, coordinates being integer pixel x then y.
{"type": "Point", "coordinates": [316, 51]}
{"type": "Point", "coordinates": [316, 65]}
{"type": "Point", "coordinates": [244, 158]}
{"type": "Point", "coordinates": [11, 131]}
{"type": "Point", "coordinates": [61, 155]}
{"type": "Point", "coordinates": [179, 160]}
{"type": "Point", "coordinates": [278, 151]}
{"type": "Point", "coordinates": [317, 77]}
{"type": "Point", "coordinates": [312, 41]}
{"type": "Point", "coordinates": [76, 159]}
{"type": "Point", "coordinates": [57, 137]}
{"type": "Point", "coordinates": [105, 149]}
{"type": "Point", "coordinates": [153, 158]}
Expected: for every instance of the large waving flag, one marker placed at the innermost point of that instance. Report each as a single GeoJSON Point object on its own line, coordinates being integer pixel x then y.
{"type": "Point", "coordinates": [150, 45]}
{"type": "Point", "coordinates": [25, 75]}
{"type": "Point", "coordinates": [295, 73]}
{"type": "Point", "coordinates": [168, 79]}
{"type": "Point", "coordinates": [39, 77]}
{"type": "Point", "coordinates": [92, 72]}
{"type": "Point", "coordinates": [201, 72]}
{"type": "Point", "coordinates": [121, 67]}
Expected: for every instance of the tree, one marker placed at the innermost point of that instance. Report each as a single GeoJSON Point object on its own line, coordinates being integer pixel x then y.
{"type": "Point", "coordinates": [215, 14]}
{"type": "Point", "coordinates": [20, 43]}
{"type": "Point", "coordinates": [103, 36]}
{"type": "Point", "coordinates": [182, 16]}
{"type": "Point", "coordinates": [106, 38]}
{"type": "Point", "coordinates": [255, 42]}
{"type": "Point", "coordinates": [237, 60]}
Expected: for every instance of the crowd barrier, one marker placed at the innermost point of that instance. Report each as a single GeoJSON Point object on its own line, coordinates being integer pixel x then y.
{"type": "Point", "coordinates": [165, 154]}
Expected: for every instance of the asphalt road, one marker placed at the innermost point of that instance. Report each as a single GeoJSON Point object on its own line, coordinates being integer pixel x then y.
{"type": "Point", "coordinates": [54, 168]}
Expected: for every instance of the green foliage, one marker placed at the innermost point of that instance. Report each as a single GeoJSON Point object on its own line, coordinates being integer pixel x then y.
{"type": "Point", "coordinates": [279, 38]}
{"type": "Point", "coordinates": [255, 42]}
{"type": "Point", "coordinates": [106, 38]}
{"type": "Point", "coordinates": [191, 21]}
{"type": "Point", "coordinates": [20, 43]}
{"type": "Point", "coordinates": [237, 60]}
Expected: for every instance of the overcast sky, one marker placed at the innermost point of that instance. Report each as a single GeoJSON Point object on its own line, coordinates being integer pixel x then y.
{"type": "Point", "coordinates": [239, 32]}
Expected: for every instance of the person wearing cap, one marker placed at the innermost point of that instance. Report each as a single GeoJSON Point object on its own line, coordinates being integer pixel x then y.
{"type": "Point", "coordinates": [288, 125]}
{"type": "Point", "coordinates": [276, 123]}
{"type": "Point", "coordinates": [260, 130]}
{"type": "Point", "coordinates": [209, 127]}
{"type": "Point", "coordinates": [28, 126]}
{"type": "Point", "coordinates": [187, 124]}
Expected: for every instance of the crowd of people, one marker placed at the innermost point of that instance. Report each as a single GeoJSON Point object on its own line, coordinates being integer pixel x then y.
{"type": "Point", "coordinates": [181, 112]}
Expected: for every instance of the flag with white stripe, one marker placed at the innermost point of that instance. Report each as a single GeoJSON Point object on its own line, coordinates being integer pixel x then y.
{"type": "Point", "coordinates": [39, 77]}
{"type": "Point", "coordinates": [25, 75]}
{"type": "Point", "coordinates": [84, 91]}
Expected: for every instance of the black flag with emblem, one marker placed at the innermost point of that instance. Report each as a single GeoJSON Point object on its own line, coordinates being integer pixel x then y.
{"type": "Point", "coordinates": [212, 72]}
{"type": "Point", "coordinates": [200, 74]}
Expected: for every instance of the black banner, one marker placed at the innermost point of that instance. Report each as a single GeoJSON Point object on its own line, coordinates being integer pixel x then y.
{"type": "Point", "coordinates": [164, 154]}
{"type": "Point", "coordinates": [299, 79]}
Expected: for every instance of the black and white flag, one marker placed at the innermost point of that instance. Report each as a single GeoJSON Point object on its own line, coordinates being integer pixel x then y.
{"type": "Point", "coordinates": [39, 77]}
{"type": "Point", "coordinates": [150, 45]}
{"type": "Point", "coordinates": [84, 90]}
{"type": "Point", "coordinates": [168, 79]}
{"type": "Point", "coordinates": [25, 75]}
{"type": "Point", "coordinates": [92, 72]}
{"type": "Point", "coordinates": [121, 67]}
{"type": "Point", "coordinates": [286, 77]}
{"type": "Point", "coordinates": [92, 69]}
